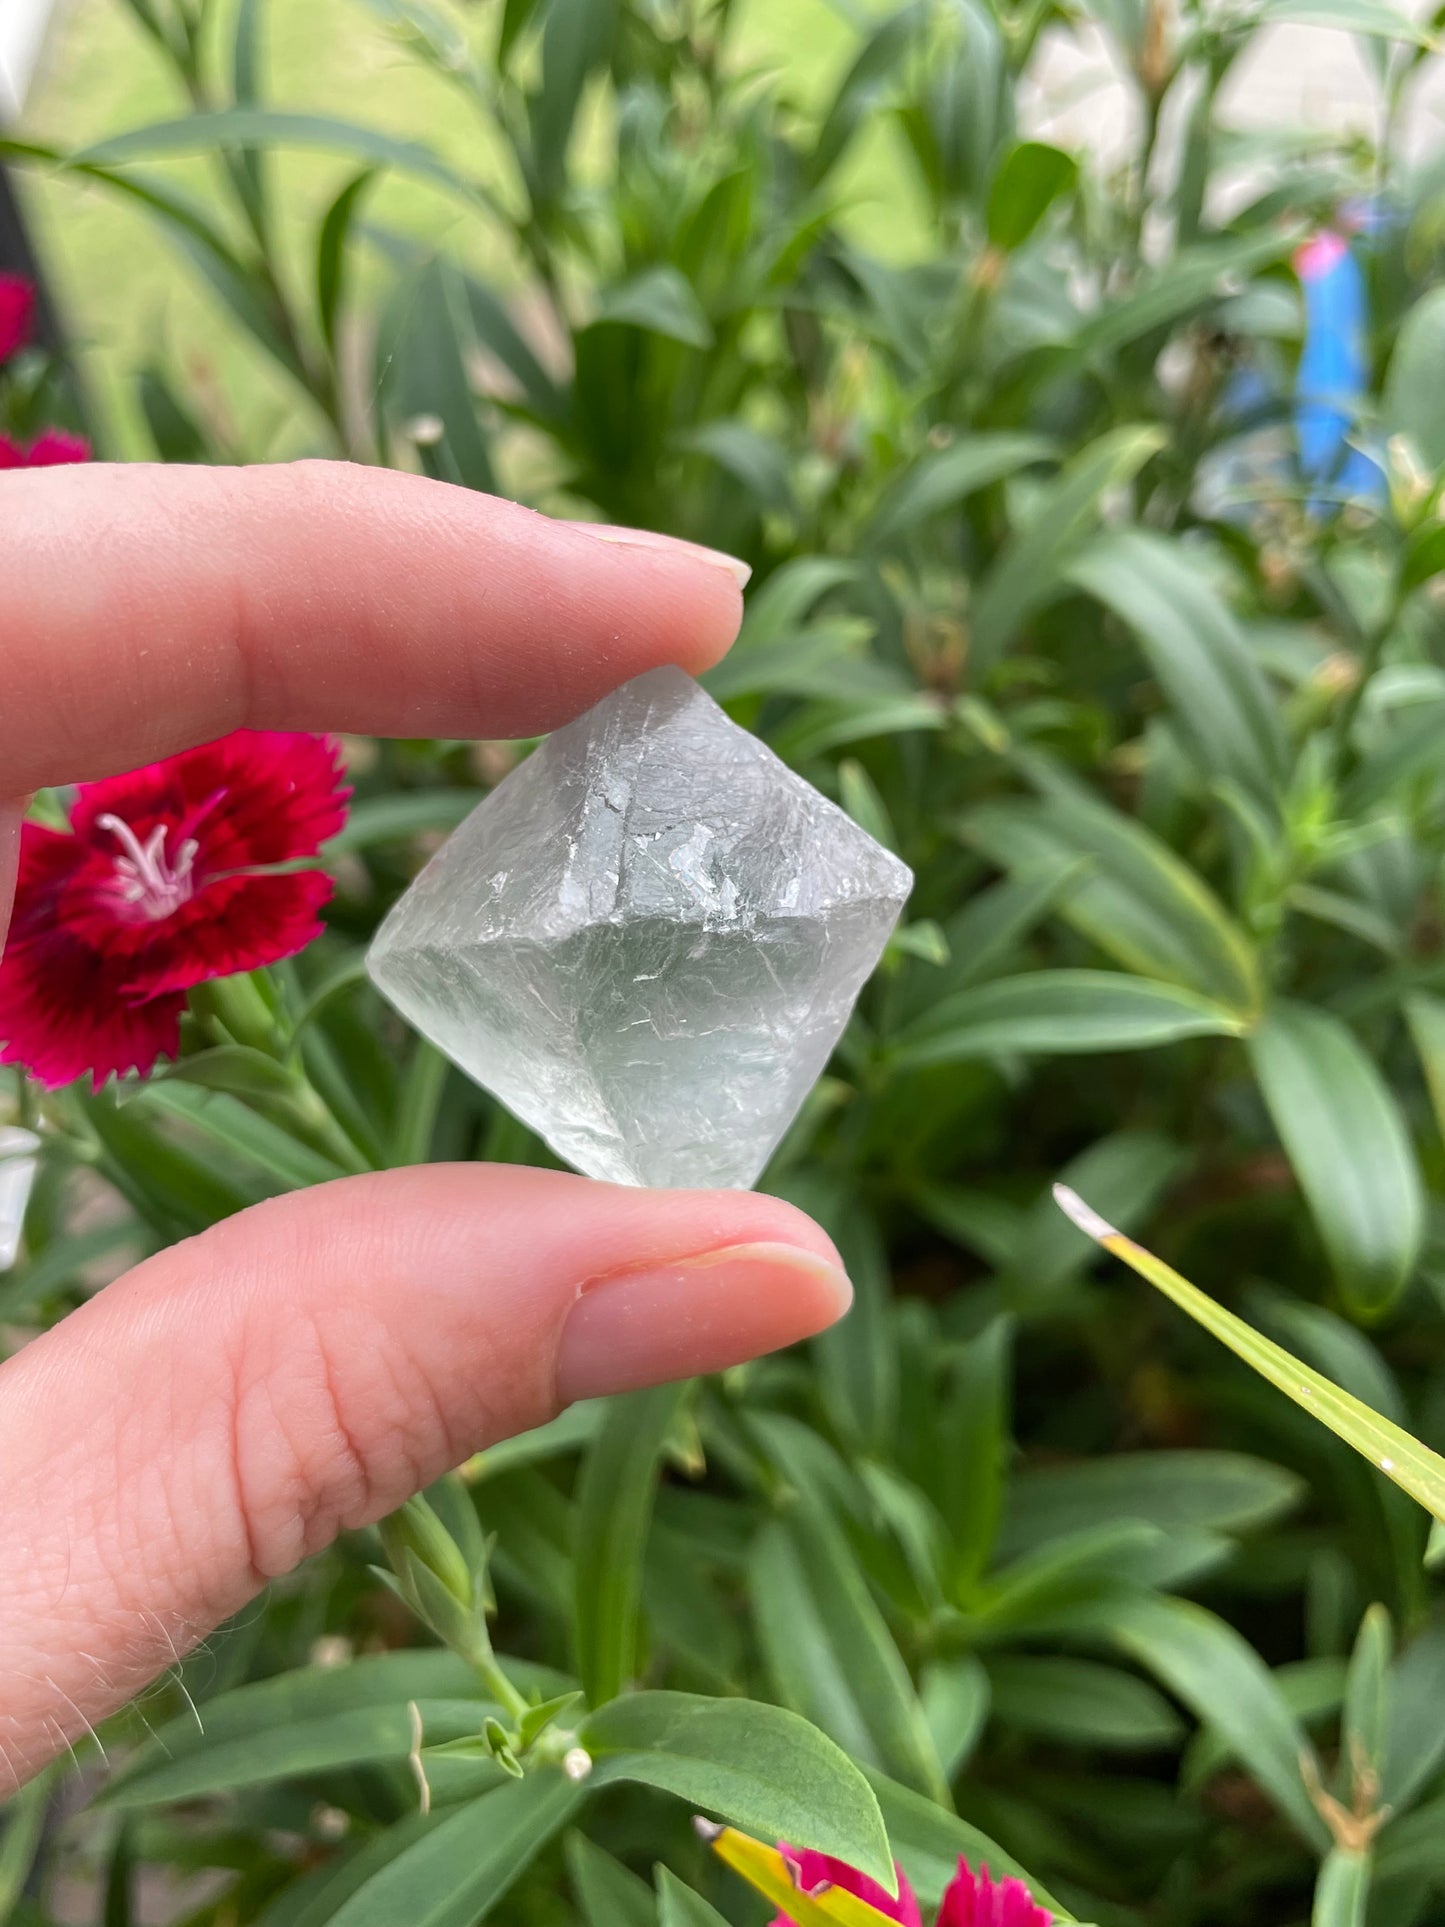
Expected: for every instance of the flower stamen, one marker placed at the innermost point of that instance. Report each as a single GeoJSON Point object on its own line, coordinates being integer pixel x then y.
{"type": "Point", "coordinates": [145, 876]}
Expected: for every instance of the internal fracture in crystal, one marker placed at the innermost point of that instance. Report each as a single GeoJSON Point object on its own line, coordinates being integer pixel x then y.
{"type": "Point", "coordinates": [647, 940]}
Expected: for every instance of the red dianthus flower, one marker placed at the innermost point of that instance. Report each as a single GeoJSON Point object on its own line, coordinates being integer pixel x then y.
{"type": "Point", "coordinates": [52, 448]}
{"type": "Point", "coordinates": [161, 884]}
{"type": "Point", "coordinates": [17, 313]}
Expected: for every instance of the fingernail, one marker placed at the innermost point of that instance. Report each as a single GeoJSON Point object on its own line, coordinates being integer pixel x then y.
{"type": "Point", "coordinates": [740, 571]}
{"type": "Point", "coordinates": [695, 1314]}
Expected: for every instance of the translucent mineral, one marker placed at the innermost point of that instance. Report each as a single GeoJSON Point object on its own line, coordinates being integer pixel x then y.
{"type": "Point", "coordinates": [18, 1169]}
{"type": "Point", "coordinates": [646, 940]}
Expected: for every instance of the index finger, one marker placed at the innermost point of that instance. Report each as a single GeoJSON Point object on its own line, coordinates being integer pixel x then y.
{"type": "Point", "coordinates": [146, 609]}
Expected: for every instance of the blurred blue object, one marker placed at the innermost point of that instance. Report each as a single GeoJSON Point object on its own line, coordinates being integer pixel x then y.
{"type": "Point", "coordinates": [1333, 378]}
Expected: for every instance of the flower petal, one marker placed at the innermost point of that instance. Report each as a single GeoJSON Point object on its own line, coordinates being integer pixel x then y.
{"type": "Point", "coordinates": [17, 313]}
{"type": "Point", "coordinates": [814, 1870]}
{"type": "Point", "coordinates": [978, 1900]}
{"type": "Point", "coordinates": [255, 797]}
{"type": "Point", "coordinates": [62, 1014]}
{"type": "Point", "coordinates": [235, 924]}
{"type": "Point", "coordinates": [52, 448]}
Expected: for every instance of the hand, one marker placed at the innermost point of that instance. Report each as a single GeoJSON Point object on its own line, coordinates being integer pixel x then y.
{"type": "Point", "coordinates": [231, 1405]}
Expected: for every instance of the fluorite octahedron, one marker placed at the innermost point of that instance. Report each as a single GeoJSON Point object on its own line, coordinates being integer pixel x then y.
{"type": "Point", "coordinates": [647, 940]}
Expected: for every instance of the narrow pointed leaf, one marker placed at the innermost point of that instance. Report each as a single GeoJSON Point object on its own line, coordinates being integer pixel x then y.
{"type": "Point", "coordinates": [1411, 1465]}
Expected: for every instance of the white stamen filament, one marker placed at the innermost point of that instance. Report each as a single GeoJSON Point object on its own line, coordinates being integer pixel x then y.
{"type": "Point", "coordinates": [146, 876]}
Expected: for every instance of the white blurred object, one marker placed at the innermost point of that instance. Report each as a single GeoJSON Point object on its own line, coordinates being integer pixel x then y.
{"type": "Point", "coordinates": [17, 1177]}
{"type": "Point", "coordinates": [22, 34]}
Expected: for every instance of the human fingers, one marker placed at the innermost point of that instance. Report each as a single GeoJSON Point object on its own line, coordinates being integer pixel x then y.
{"type": "Point", "coordinates": [231, 1405]}
{"type": "Point", "coordinates": [149, 608]}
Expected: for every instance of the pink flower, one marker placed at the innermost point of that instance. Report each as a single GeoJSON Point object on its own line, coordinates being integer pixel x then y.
{"type": "Point", "coordinates": [969, 1900]}
{"type": "Point", "coordinates": [1317, 256]}
{"type": "Point", "coordinates": [17, 312]}
{"type": "Point", "coordinates": [52, 448]}
{"type": "Point", "coordinates": [978, 1900]}
{"type": "Point", "coordinates": [166, 880]}
{"type": "Point", "coordinates": [814, 1871]}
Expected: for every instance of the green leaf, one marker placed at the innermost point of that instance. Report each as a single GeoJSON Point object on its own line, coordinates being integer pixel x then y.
{"type": "Point", "coordinates": [1225, 1684]}
{"type": "Point", "coordinates": [1412, 1847]}
{"type": "Point", "coordinates": [1349, 1147]}
{"type": "Point", "coordinates": [246, 1730]}
{"type": "Point", "coordinates": [789, 596]}
{"type": "Point", "coordinates": [174, 429]}
{"type": "Point", "coordinates": [572, 1429]}
{"type": "Point", "coordinates": [20, 1841]}
{"type": "Point", "coordinates": [948, 476]}
{"type": "Point", "coordinates": [425, 348]}
{"type": "Point", "coordinates": [239, 127]}
{"type": "Point", "coordinates": [1219, 699]}
{"type": "Point", "coordinates": [496, 329]}
{"type": "Point", "coordinates": [1177, 1491]}
{"type": "Point", "coordinates": [614, 1509]}
{"type": "Point", "coordinates": [1192, 279]}
{"type": "Point", "coordinates": [1413, 403]}
{"type": "Point", "coordinates": [760, 463]}
{"type": "Point", "coordinates": [1081, 1703]}
{"type": "Point", "coordinates": [863, 87]}
{"type": "Point", "coordinates": [1313, 1690]}
{"type": "Point", "coordinates": [608, 1894]}
{"type": "Point", "coordinates": [236, 1068]}
{"type": "Point", "coordinates": [309, 1693]}
{"type": "Point", "coordinates": [1342, 1891]}
{"type": "Point", "coordinates": [1032, 570]}
{"type": "Point", "coordinates": [1373, 18]}
{"type": "Point", "coordinates": [247, 168]}
{"type": "Point", "coordinates": [859, 795]}
{"type": "Point", "coordinates": [1126, 1174]}
{"type": "Point", "coordinates": [332, 251]}
{"type": "Point", "coordinates": [1130, 894]}
{"type": "Point", "coordinates": [974, 1446]}
{"type": "Point", "coordinates": [759, 1767]}
{"type": "Point", "coordinates": [985, 935]}
{"type": "Point", "coordinates": [455, 1874]}
{"type": "Point", "coordinates": [577, 36]}
{"type": "Point", "coordinates": [314, 1899]}
{"type": "Point", "coordinates": [830, 1651]}
{"type": "Point", "coordinates": [1333, 1345]}
{"type": "Point", "coordinates": [955, 1697]}
{"type": "Point", "coordinates": [1044, 1590]}
{"type": "Point", "coordinates": [1414, 1744]}
{"type": "Point", "coordinates": [857, 1358]}
{"type": "Point", "coordinates": [679, 1906]}
{"type": "Point", "coordinates": [233, 1126]}
{"type": "Point", "coordinates": [1053, 1012]}
{"type": "Point", "coordinates": [1030, 179]}
{"type": "Point", "coordinates": [326, 1742]}
{"type": "Point", "coordinates": [397, 819]}
{"type": "Point", "coordinates": [516, 17]}
{"type": "Point", "coordinates": [661, 301]}
{"type": "Point", "coordinates": [60, 1263]}
{"type": "Point", "coordinates": [1426, 1017]}
{"type": "Point", "coordinates": [1412, 1466]}
{"type": "Point", "coordinates": [189, 227]}
{"type": "Point", "coordinates": [1368, 1694]}
{"type": "Point", "coordinates": [929, 1842]}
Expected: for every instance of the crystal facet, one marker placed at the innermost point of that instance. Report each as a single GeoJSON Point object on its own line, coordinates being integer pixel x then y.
{"type": "Point", "coordinates": [647, 940]}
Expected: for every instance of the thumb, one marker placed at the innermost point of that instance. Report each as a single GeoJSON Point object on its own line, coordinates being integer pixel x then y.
{"type": "Point", "coordinates": [9, 859]}
{"type": "Point", "coordinates": [231, 1405]}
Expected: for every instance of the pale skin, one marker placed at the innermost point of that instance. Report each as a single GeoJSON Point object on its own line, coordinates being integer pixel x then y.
{"type": "Point", "coordinates": [231, 1405]}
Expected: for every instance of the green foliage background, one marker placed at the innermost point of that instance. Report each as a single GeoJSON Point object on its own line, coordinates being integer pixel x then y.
{"type": "Point", "coordinates": [1016, 1552]}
